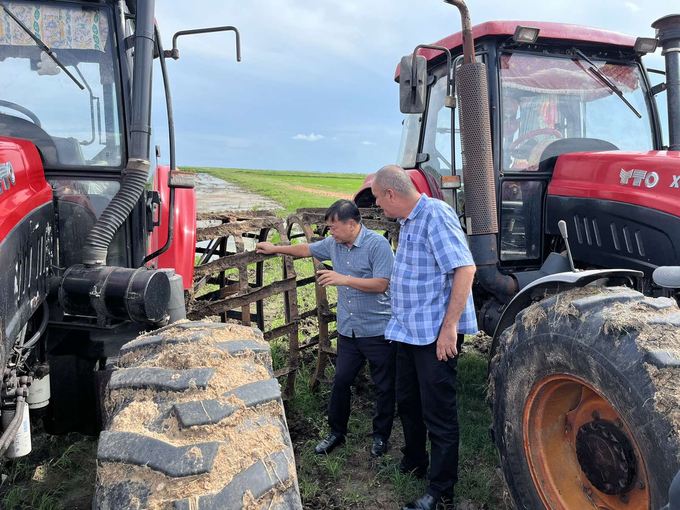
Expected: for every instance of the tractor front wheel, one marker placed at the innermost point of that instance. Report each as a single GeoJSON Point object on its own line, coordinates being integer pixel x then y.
{"type": "Point", "coordinates": [586, 401]}
{"type": "Point", "coordinates": [196, 422]}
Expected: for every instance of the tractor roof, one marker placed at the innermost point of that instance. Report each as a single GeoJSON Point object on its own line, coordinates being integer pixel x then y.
{"type": "Point", "coordinates": [548, 30]}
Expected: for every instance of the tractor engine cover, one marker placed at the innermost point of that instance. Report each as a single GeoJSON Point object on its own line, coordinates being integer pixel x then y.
{"type": "Point", "coordinates": [26, 226]}
{"type": "Point", "coordinates": [622, 208]}
{"type": "Point", "coordinates": [108, 292]}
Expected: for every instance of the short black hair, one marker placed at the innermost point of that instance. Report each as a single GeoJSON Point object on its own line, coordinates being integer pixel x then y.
{"type": "Point", "coordinates": [343, 210]}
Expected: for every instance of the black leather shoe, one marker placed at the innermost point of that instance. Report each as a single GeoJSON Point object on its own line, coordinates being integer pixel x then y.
{"type": "Point", "coordinates": [379, 447]}
{"type": "Point", "coordinates": [418, 471]}
{"type": "Point", "coordinates": [330, 444]}
{"type": "Point", "coordinates": [426, 502]}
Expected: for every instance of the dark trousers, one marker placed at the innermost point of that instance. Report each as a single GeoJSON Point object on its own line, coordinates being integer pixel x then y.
{"type": "Point", "coordinates": [352, 353]}
{"type": "Point", "coordinates": [426, 399]}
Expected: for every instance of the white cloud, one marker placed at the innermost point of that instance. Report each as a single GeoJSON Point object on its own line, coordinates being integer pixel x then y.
{"type": "Point", "coordinates": [633, 7]}
{"type": "Point", "coordinates": [309, 138]}
{"type": "Point", "coordinates": [366, 142]}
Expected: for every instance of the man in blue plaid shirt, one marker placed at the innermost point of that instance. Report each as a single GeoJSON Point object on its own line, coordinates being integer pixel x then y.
{"type": "Point", "coordinates": [432, 310]}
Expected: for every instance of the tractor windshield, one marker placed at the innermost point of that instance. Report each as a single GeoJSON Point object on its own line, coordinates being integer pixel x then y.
{"type": "Point", "coordinates": [548, 98]}
{"type": "Point", "coordinates": [40, 102]}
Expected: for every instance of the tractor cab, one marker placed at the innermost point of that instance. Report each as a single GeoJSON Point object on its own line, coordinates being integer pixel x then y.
{"type": "Point", "coordinates": [65, 80]}
{"type": "Point", "coordinates": [68, 104]}
{"type": "Point", "coordinates": [552, 89]}
{"type": "Point", "coordinates": [85, 210]}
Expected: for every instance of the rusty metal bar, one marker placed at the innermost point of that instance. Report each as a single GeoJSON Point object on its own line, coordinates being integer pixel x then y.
{"type": "Point", "coordinates": [280, 331]}
{"type": "Point", "coordinates": [292, 317]}
{"type": "Point", "coordinates": [230, 262]}
{"type": "Point", "coordinates": [236, 228]}
{"type": "Point", "coordinates": [221, 305]}
{"type": "Point", "coordinates": [233, 215]}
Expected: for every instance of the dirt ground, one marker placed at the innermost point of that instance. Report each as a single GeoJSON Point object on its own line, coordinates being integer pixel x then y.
{"type": "Point", "coordinates": [374, 483]}
{"type": "Point", "coordinates": [321, 192]}
{"type": "Point", "coordinates": [364, 469]}
{"type": "Point", "coordinates": [214, 195]}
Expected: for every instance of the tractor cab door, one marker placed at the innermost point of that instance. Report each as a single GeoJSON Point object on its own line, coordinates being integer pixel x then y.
{"type": "Point", "coordinates": [551, 100]}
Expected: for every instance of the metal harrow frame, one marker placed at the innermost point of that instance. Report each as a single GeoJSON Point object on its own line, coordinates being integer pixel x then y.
{"type": "Point", "coordinates": [238, 273]}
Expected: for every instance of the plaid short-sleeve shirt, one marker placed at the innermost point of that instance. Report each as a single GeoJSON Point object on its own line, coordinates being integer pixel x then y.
{"type": "Point", "coordinates": [360, 313]}
{"type": "Point", "coordinates": [431, 246]}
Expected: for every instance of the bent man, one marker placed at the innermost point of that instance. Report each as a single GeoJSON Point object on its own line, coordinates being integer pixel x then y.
{"type": "Point", "coordinates": [432, 309]}
{"type": "Point", "coordinates": [362, 267]}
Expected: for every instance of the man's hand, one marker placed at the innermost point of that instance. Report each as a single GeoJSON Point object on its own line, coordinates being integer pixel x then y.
{"type": "Point", "coordinates": [447, 343]}
{"type": "Point", "coordinates": [265, 248]}
{"type": "Point", "coordinates": [331, 278]}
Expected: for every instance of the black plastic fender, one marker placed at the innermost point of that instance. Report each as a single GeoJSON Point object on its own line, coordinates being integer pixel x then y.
{"type": "Point", "coordinates": [551, 284]}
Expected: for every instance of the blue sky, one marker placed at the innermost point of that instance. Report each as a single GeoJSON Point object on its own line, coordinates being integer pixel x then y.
{"type": "Point", "coordinates": [315, 89]}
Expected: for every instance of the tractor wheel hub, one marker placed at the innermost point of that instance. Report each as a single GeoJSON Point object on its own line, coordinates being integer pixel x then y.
{"type": "Point", "coordinates": [606, 457]}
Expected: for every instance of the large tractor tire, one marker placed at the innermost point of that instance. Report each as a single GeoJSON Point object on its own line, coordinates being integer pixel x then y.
{"type": "Point", "coordinates": [585, 388]}
{"type": "Point", "coordinates": [195, 422]}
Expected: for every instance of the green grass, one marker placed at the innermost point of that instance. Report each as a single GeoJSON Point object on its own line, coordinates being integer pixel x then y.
{"type": "Point", "coordinates": [57, 475]}
{"type": "Point", "coordinates": [280, 186]}
{"type": "Point", "coordinates": [332, 476]}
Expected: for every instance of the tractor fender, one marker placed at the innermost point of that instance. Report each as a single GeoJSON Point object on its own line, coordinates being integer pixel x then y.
{"type": "Point", "coordinates": [552, 283]}
{"type": "Point", "coordinates": [422, 181]}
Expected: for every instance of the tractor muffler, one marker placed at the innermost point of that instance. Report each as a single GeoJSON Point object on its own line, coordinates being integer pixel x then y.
{"type": "Point", "coordinates": [481, 215]}
{"type": "Point", "coordinates": [668, 33]}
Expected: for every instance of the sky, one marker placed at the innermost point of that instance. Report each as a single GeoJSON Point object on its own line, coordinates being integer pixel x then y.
{"type": "Point", "coordinates": [315, 89]}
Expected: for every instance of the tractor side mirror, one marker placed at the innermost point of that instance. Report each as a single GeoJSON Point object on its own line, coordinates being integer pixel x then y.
{"type": "Point", "coordinates": [412, 84]}
{"type": "Point", "coordinates": [174, 52]}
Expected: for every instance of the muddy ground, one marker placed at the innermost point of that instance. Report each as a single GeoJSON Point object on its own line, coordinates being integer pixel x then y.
{"type": "Point", "coordinates": [215, 195]}
{"type": "Point", "coordinates": [361, 482]}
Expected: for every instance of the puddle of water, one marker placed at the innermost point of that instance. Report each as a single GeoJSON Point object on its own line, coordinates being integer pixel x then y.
{"type": "Point", "coordinates": [215, 195]}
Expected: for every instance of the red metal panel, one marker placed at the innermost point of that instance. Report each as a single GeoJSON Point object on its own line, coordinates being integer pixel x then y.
{"type": "Point", "coordinates": [649, 179]}
{"type": "Point", "coordinates": [549, 30]}
{"type": "Point", "coordinates": [417, 177]}
{"type": "Point", "coordinates": [182, 252]}
{"type": "Point", "coordinates": [30, 189]}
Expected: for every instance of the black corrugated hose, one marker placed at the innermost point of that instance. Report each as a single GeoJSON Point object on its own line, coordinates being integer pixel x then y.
{"type": "Point", "coordinates": [115, 214]}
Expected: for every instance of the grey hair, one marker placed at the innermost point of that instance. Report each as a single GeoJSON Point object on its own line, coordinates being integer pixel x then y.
{"type": "Point", "coordinates": [395, 178]}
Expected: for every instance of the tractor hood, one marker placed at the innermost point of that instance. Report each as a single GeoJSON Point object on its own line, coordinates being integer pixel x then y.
{"type": "Point", "coordinates": [26, 215]}
{"type": "Point", "coordinates": [22, 183]}
{"type": "Point", "coordinates": [648, 179]}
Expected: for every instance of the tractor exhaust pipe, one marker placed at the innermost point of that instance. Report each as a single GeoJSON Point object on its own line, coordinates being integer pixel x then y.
{"type": "Point", "coordinates": [480, 185]}
{"type": "Point", "coordinates": [668, 33]}
{"type": "Point", "coordinates": [137, 169]}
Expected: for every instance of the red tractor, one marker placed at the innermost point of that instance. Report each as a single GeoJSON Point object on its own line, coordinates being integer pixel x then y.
{"type": "Point", "coordinates": [571, 205]}
{"type": "Point", "coordinates": [190, 414]}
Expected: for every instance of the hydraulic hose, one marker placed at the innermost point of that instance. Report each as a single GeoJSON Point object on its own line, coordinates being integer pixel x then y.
{"type": "Point", "coordinates": [41, 329]}
{"type": "Point", "coordinates": [11, 431]}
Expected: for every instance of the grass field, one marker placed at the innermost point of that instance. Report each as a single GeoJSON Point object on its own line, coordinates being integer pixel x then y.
{"type": "Point", "coordinates": [292, 189]}
{"type": "Point", "coordinates": [60, 475]}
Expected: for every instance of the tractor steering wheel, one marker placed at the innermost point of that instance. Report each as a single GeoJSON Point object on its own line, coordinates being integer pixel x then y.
{"type": "Point", "coordinates": [533, 134]}
{"type": "Point", "coordinates": [21, 109]}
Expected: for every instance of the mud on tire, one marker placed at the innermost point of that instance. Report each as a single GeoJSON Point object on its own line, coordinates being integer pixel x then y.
{"type": "Point", "coordinates": [195, 422]}
{"type": "Point", "coordinates": [623, 347]}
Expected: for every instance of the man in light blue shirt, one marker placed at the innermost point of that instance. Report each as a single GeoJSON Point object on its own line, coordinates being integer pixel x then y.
{"type": "Point", "coordinates": [362, 266]}
{"type": "Point", "coordinates": [432, 309]}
